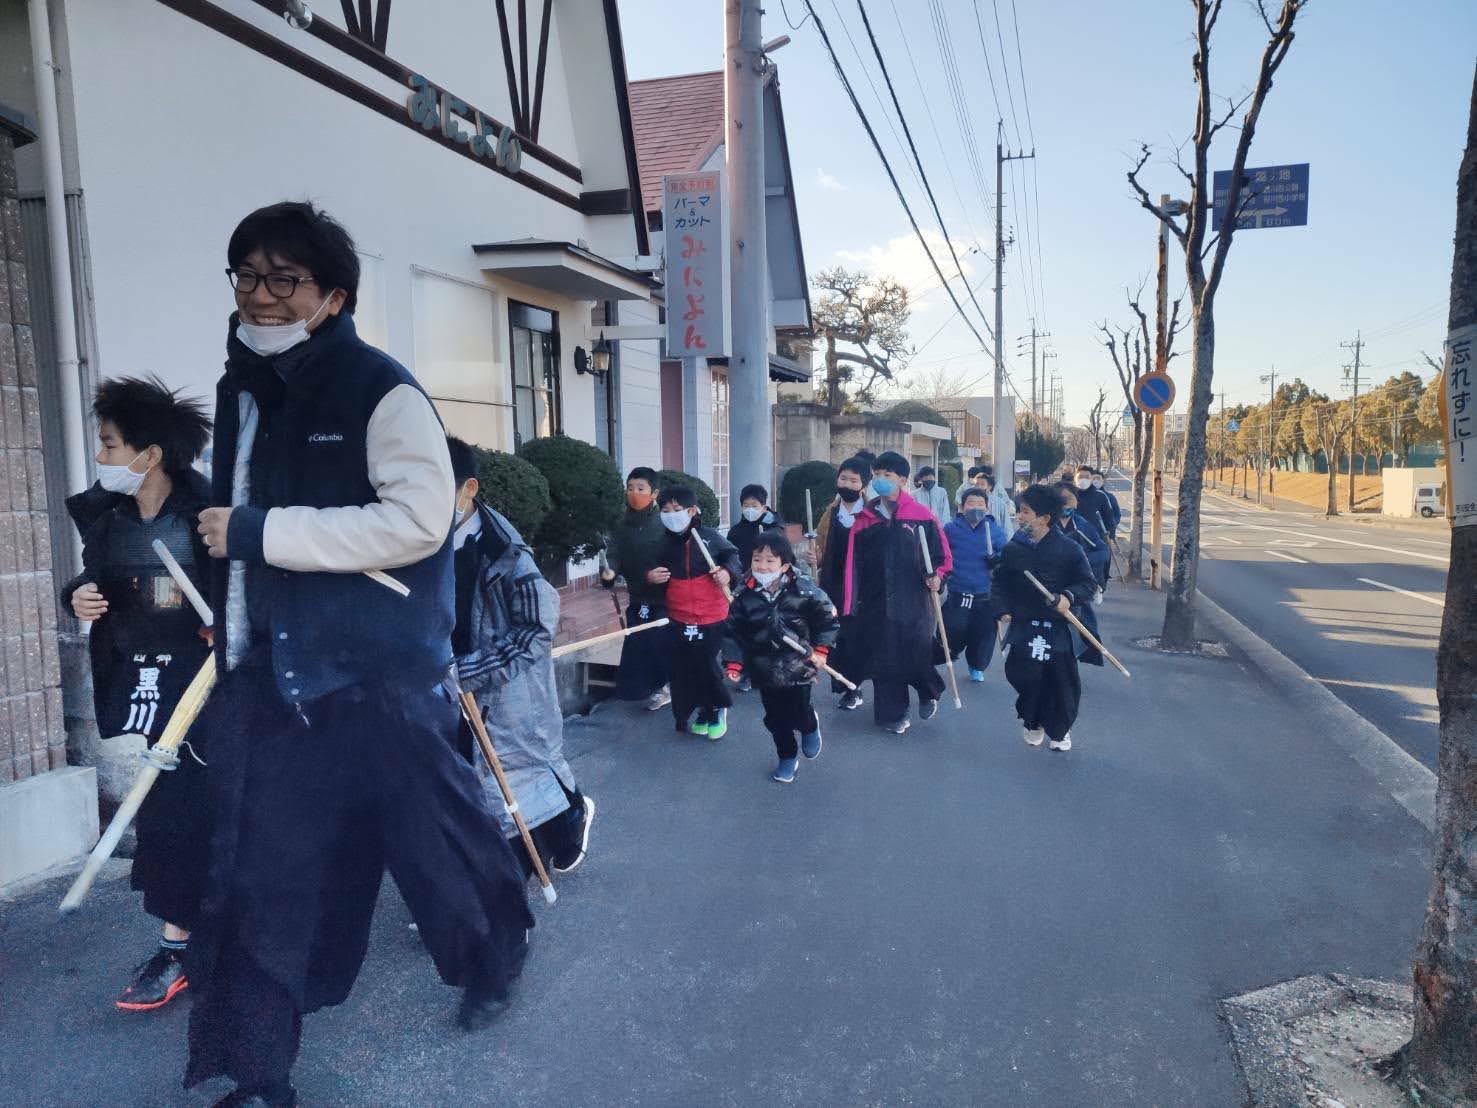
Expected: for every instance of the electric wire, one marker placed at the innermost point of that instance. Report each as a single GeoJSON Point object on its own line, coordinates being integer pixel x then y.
{"type": "Point", "coordinates": [887, 166]}
{"type": "Point", "coordinates": [912, 147]}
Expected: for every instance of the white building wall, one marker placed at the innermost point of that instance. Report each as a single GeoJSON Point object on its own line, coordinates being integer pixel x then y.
{"type": "Point", "coordinates": [177, 128]}
{"type": "Point", "coordinates": [641, 392]}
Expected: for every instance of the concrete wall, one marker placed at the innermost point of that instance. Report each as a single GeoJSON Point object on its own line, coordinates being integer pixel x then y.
{"type": "Point", "coordinates": [802, 433]}
{"type": "Point", "coordinates": [852, 433]}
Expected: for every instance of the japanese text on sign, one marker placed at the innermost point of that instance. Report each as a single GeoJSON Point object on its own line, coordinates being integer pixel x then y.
{"type": "Point", "coordinates": [697, 291]}
{"type": "Point", "coordinates": [1269, 196]}
{"type": "Point", "coordinates": [1461, 425]}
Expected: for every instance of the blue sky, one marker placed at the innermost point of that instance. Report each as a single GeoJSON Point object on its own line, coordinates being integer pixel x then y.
{"type": "Point", "coordinates": [1376, 104]}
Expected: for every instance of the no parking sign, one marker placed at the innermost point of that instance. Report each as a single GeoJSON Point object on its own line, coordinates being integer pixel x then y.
{"type": "Point", "coordinates": [1154, 392]}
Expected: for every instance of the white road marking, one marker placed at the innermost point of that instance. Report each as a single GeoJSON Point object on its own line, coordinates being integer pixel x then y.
{"type": "Point", "coordinates": [1288, 557]}
{"type": "Point", "coordinates": [1349, 542]}
{"type": "Point", "coordinates": [1403, 592]}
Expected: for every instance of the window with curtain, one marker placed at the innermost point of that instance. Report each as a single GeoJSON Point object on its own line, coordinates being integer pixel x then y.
{"type": "Point", "coordinates": [534, 341]}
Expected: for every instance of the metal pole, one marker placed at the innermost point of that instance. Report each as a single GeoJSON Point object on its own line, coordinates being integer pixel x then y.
{"type": "Point", "coordinates": [64, 318]}
{"type": "Point", "coordinates": [1004, 466]}
{"type": "Point", "coordinates": [1161, 358]}
{"type": "Point", "coordinates": [751, 437]}
{"type": "Point", "coordinates": [1358, 345]}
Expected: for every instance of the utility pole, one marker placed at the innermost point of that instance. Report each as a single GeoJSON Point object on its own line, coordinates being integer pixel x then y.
{"type": "Point", "coordinates": [750, 424]}
{"type": "Point", "coordinates": [1221, 460]}
{"type": "Point", "coordinates": [1004, 460]}
{"type": "Point", "coordinates": [1358, 347]}
{"type": "Point", "coordinates": [1032, 337]}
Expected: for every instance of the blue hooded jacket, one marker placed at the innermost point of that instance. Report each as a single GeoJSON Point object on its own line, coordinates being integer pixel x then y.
{"type": "Point", "coordinates": [971, 573]}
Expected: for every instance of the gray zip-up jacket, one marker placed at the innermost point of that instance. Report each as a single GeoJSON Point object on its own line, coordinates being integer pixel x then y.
{"type": "Point", "coordinates": [510, 670]}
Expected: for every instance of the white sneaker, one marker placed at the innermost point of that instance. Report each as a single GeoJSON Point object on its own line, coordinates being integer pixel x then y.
{"type": "Point", "coordinates": [658, 700]}
{"type": "Point", "coordinates": [1064, 743]}
{"type": "Point", "coordinates": [1035, 737]}
{"type": "Point", "coordinates": [1097, 598]}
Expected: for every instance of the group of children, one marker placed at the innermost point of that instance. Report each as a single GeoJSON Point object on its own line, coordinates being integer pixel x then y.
{"type": "Point", "coordinates": [147, 642]}
{"type": "Point", "coordinates": [859, 603]}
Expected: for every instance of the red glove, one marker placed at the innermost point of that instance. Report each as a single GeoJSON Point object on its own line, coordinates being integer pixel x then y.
{"type": "Point", "coordinates": [734, 670]}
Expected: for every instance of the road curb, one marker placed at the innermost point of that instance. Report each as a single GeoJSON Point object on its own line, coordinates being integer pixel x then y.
{"type": "Point", "coordinates": [1410, 784]}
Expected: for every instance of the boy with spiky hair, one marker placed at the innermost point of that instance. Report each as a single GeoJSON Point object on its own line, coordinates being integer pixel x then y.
{"type": "Point", "coordinates": [147, 643]}
{"type": "Point", "coordinates": [697, 605]}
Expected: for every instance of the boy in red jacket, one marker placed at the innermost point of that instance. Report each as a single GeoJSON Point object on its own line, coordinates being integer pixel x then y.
{"type": "Point", "coordinates": [697, 605]}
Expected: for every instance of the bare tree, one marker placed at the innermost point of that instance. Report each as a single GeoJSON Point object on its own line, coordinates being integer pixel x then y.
{"type": "Point", "coordinates": [1439, 1064]}
{"type": "Point", "coordinates": [1205, 264]}
{"type": "Point", "coordinates": [1326, 423]}
{"type": "Point", "coordinates": [869, 315]}
{"type": "Point", "coordinates": [1098, 420]}
{"type": "Point", "coordinates": [1132, 362]}
{"type": "Point", "coordinates": [1079, 443]}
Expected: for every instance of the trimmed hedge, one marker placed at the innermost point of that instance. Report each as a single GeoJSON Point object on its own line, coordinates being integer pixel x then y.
{"type": "Point", "coordinates": [514, 488]}
{"type": "Point", "coordinates": [707, 499]}
{"type": "Point", "coordinates": [586, 496]}
{"type": "Point", "coordinates": [817, 476]}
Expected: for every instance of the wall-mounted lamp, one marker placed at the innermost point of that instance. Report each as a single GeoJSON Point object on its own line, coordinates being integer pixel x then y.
{"type": "Point", "coordinates": [597, 361]}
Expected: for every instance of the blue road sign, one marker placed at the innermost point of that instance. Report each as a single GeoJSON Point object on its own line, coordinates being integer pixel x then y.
{"type": "Point", "coordinates": [1272, 196]}
{"type": "Point", "coordinates": [1153, 392]}
{"type": "Point", "coordinates": [1127, 414]}
{"type": "Point", "coordinates": [1233, 425]}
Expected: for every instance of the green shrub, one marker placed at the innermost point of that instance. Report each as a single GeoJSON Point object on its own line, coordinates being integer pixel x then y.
{"type": "Point", "coordinates": [817, 476]}
{"type": "Point", "coordinates": [586, 496]}
{"type": "Point", "coordinates": [915, 411]}
{"type": "Point", "coordinates": [951, 476]}
{"type": "Point", "coordinates": [515, 489]}
{"type": "Point", "coordinates": [707, 499]}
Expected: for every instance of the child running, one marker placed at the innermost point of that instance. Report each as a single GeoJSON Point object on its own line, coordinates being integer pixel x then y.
{"type": "Point", "coordinates": [977, 542]}
{"type": "Point", "coordinates": [147, 643]}
{"type": "Point", "coordinates": [506, 616]}
{"type": "Point", "coordinates": [1041, 664]}
{"type": "Point", "coordinates": [631, 552]}
{"type": "Point", "coordinates": [776, 603]}
{"type": "Point", "coordinates": [887, 586]}
{"type": "Point", "coordinates": [833, 541]}
{"type": "Point", "coordinates": [698, 608]}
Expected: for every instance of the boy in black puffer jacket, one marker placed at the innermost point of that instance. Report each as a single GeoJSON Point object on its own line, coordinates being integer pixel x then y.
{"type": "Point", "coordinates": [776, 602]}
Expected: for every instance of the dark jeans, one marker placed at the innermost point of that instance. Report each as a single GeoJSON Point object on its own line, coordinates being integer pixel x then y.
{"type": "Point", "coordinates": [890, 695]}
{"type": "Point", "coordinates": [970, 622]}
{"type": "Point", "coordinates": [787, 714]}
{"type": "Point", "coordinates": [557, 837]}
{"type": "Point", "coordinates": [696, 668]}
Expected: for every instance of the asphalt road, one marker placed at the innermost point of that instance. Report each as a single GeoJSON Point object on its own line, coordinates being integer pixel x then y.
{"type": "Point", "coordinates": [1356, 604]}
{"type": "Point", "coordinates": [949, 917]}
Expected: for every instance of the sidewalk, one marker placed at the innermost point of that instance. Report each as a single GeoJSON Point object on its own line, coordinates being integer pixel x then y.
{"type": "Point", "coordinates": [949, 917]}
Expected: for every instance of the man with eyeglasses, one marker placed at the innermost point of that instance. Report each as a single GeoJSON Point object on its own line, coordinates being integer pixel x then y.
{"type": "Point", "coordinates": [332, 756]}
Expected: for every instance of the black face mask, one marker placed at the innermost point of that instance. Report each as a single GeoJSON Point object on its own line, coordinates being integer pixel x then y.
{"type": "Point", "coordinates": [850, 496]}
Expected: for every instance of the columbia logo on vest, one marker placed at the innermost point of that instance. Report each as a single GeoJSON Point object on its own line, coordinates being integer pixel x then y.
{"type": "Point", "coordinates": [321, 437]}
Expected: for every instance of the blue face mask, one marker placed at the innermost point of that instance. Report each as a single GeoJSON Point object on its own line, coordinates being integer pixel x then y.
{"type": "Point", "coordinates": [1068, 513]}
{"type": "Point", "coordinates": [884, 486]}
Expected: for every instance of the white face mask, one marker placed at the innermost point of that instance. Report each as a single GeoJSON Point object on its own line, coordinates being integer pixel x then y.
{"type": "Point", "coordinates": [1097, 482]}
{"type": "Point", "coordinates": [767, 579]}
{"type": "Point", "coordinates": [753, 515]}
{"type": "Point", "coordinates": [1084, 482]}
{"type": "Point", "coordinates": [278, 339]}
{"type": "Point", "coordinates": [121, 478]}
{"type": "Point", "coordinates": [676, 522]}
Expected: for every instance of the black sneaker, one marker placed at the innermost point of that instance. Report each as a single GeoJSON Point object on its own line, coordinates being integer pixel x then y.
{"type": "Point", "coordinates": [156, 982]}
{"type": "Point", "coordinates": [283, 1097]}
{"type": "Point", "coordinates": [483, 1002]}
{"type": "Point", "coordinates": [928, 709]}
{"type": "Point", "coordinates": [568, 863]}
{"type": "Point", "coordinates": [851, 701]}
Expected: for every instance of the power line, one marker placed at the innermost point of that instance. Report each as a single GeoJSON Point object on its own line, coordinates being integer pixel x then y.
{"type": "Point", "coordinates": [908, 133]}
{"type": "Point", "coordinates": [862, 65]}
{"type": "Point", "coordinates": [1005, 69]}
{"type": "Point", "coordinates": [955, 86]}
{"type": "Point", "coordinates": [886, 165]}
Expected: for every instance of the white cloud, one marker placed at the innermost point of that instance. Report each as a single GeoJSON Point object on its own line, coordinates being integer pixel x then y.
{"type": "Point", "coordinates": [903, 258]}
{"type": "Point", "coordinates": [826, 181]}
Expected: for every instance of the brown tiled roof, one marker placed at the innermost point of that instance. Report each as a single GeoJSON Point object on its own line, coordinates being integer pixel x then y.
{"type": "Point", "coordinates": [678, 121]}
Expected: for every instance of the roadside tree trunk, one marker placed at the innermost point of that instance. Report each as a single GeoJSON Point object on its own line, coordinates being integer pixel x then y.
{"type": "Point", "coordinates": [1204, 279]}
{"type": "Point", "coordinates": [1440, 1061]}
